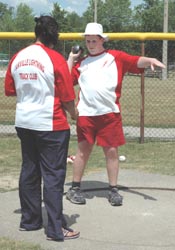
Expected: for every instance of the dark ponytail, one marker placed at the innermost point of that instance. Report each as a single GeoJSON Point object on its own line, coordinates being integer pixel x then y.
{"type": "Point", "coordinates": [46, 29]}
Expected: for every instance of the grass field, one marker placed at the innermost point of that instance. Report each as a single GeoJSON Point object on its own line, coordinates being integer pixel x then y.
{"type": "Point", "coordinates": [7, 244]}
{"type": "Point", "coordinates": [154, 157]}
{"type": "Point", "coordinates": [159, 102]}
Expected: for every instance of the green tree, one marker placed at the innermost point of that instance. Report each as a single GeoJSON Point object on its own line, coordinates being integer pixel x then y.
{"type": "Point", "coordinates": [74, 24]}
{"type": "Point", "coordinates": [149, 16]}
{"type": "Point", "coordinates": [171, 16]}
{"type": "Point", "coordinates": [24, 18]}
{"type": "Point", "coordinates": [117, 15]}
{"type": "Point", "coordinates": [23, 22]}
{"type": "Point", "coordinates": [6, 17]}
{"type": "Point", "coordinates": [114, 15]}
{"type": "Point", "coordinates": [60, 15]}
{"type": "Point", "coordinates": [6, 24]}
{"type": "Point", "coordinates": [67, 22]}
{"type": "Point", "coordinates": [88, 15]}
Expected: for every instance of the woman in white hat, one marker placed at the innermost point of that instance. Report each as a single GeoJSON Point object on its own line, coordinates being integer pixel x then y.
{"type": "Point", "coordinates": [100, 75]}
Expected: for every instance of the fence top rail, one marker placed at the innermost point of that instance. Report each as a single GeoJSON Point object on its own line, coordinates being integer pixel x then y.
{"type": "Point", "coordinates": [142, 36]}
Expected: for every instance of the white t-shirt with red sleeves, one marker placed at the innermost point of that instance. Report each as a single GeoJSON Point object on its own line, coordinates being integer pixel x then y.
{"type": "Point", "coordinates": [40, 79]}
{"type": "Point", "coordinates": [100, 80]}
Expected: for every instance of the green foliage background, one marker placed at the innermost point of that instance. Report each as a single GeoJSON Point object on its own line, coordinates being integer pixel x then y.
{"type": "Point", "coordinates": [114, 15]}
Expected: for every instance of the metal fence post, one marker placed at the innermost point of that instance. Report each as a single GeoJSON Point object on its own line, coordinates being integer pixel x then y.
{"type": "Point", "coordinates": [142, 97]}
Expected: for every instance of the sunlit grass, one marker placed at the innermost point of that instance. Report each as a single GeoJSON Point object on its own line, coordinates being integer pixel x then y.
{"type": "Point", "coordinates": [153, 157]}
{"type": "Point", "coordinates": [7, 244]}
{"type": "Point", "coordinates": [159, 102]}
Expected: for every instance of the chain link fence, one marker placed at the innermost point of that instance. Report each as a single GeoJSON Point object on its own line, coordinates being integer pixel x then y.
{"type": "Point", "coordinates": [147, 102]}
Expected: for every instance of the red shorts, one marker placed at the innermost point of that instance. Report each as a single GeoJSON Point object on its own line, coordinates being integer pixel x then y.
{"type": "Point", "coordinates": [106, 130]}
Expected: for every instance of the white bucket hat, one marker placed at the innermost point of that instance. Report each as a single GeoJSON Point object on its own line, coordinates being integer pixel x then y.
{"type": "Point", "coordinates": [95, 29]}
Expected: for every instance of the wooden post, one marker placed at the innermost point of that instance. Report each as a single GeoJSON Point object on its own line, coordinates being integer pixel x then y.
{"type": "Point", "coordinates": [165, 42]}
{"type": "Point", "coordinates": [142, 102]}
{"type": "Point", "coordinates": [95, 11]}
